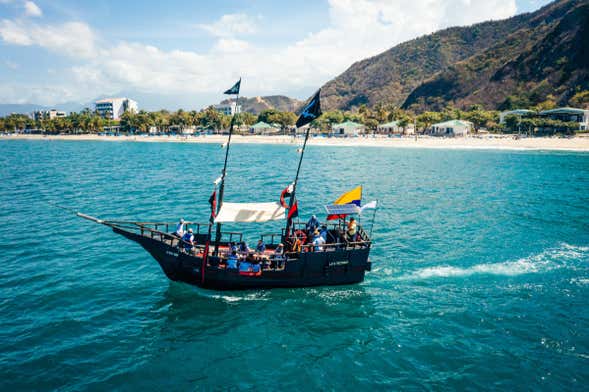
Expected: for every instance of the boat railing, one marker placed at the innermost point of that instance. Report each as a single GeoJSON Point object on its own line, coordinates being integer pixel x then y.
{"type": "Point", "coordinates": [144, 229]}
{"type": "Point", "coordinates": [197, 227]}
{"type": "Point", "coordinates": [272, 236]}
{"type": "Point", "coordinates": [234, 236]}
{"type": "Point", "coordinates": [334, 246]}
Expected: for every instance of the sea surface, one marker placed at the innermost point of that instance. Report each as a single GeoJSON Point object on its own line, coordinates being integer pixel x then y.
{"type": "Point", "coordinates": [480, 272]}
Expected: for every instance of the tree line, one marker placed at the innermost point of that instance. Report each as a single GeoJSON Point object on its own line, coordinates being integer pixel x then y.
{"type": "Point", "coordinates": [88, 121]}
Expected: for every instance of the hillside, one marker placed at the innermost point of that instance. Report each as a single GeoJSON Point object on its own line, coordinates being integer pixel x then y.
{"type": "Point", "coordinates": [548, 56]}
{"type": "Point", "coordinates": [257, 104]}
{"type": "Point", "coordinates": [484, 63]}
{"type": "Point", "coordinates": [20, 108]}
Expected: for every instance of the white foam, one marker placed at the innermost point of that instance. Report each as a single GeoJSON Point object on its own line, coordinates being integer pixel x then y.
{"type": "Point", "coordinates": [548, 260]}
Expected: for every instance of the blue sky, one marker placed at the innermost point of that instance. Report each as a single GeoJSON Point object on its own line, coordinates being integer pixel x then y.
{"type": "Point", "coordinates": [183, 53]}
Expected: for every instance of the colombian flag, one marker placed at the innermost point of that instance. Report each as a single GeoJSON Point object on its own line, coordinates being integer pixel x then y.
{"type": "Point", "coordinates": [352, 197]}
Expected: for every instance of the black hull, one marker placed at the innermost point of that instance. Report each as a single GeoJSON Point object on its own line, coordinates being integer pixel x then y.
{"type": "Point", "coordinates": [336, 267]}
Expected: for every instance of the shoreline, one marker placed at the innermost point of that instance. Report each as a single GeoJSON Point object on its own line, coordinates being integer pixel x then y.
{"type": "Point", "coordinates": [494, 142]}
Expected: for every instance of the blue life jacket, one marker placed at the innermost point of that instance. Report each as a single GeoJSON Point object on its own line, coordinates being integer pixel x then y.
{"type": "Point", "coordinates": [232, 262]}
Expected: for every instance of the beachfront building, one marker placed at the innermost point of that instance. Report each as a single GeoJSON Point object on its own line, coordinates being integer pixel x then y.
{"type": "Point", "coordinates": [566, 114]}
{"type": "Point", "coordinates": [39, 115]}
{"type": "Point", "coordinates": [113, 108]}
{"type": "Point", "coordinates": [393, 128]}
{"type": "Point", "coordinates": [228, 109]}
{"type": "Point", "coordinates": [517, 112]}
{"type": "Point", "coordinates": [348, 128]}
{"type": "Point", "coordinates": [451, 128]}
{"type": "Point", "coordinates": [262, 128]}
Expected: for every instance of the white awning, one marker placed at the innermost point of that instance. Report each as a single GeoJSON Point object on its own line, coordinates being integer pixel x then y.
{"type": "Point", "coordinates": [250, 212]}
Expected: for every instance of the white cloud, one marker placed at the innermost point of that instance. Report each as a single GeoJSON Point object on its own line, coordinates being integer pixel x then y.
{"type": "Point", "coordinates": [75, 39]}
{"type": "Point", "coordinates": [355, 30]}
{"type": "Point", "coordinates": [32, 9]}
{"type": "Point", "coordinates": [230, 25]}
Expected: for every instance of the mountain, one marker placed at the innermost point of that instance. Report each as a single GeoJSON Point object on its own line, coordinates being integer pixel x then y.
{"type": "Point", "coordinates": [527, 57]}
{"type": "Point", "coordinates": [19, 108]}
{"type": "Point", "coordinates": [27, 108]}
{"type": "Point", "coordinates": [257, 104]}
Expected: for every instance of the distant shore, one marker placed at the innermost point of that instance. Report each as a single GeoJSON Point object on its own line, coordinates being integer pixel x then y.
{"type": "Point", "coordinates": [504, 142]}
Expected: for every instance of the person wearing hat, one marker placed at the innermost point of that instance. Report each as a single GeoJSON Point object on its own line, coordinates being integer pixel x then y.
{"type": "Point", "coordinates": [318, 241]}
{"type": "Point", "coordinates": [179, 229]}
{"type": "Point", "coordinates": [312, 225]}
{"type": "Point", "coordinates": [188, 239]}
{"type": "Point", "coordinates": [352, 229]}
{"type": "Point", "coordinates": [278, 256]}
{"type": "Point", "coordinates": [261, 247]}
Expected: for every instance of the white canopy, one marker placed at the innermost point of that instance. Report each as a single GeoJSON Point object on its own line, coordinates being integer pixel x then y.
{"type": "Point", "coordinates": [250, 212]}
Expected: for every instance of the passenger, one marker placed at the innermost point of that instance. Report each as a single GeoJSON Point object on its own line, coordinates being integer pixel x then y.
{"type": "Point", "coordinates": [243, 248]}
{"type": "Point", "coordinates": [188, 239]}
{"type": "Point", "coordinates": [318, 241]}
{"type": "Point", "coordinates": [250, 258]}
{"type": "Point", "coordinates": [312, 225]}
{"type": "Point", "coordinates": [233, 247]}
{"type": "Point", "coordinates": [323, 233]}
{"type": "Point", "coordinates": [245, 268]}
{"type": "Point", "coordinates": [278, 256]}
{"type": "Point", "coordinates": [179, 229]}
{"type": "Point", "coordinates": [232, 260]}
{"type": "Point", "coordinates": [261, 247]}
{"type": "Point", "coordinates": [279, 251]}
{"type": "Point", "coordinates": [256, 268]}
{"type": "Point", "coordinates": [352, 230]}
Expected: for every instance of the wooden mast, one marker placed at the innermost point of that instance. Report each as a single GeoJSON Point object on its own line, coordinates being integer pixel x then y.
{"type": "Point", "coordinates": [310, 112]}
{"type": "Point", "coordinates": [224, 173]}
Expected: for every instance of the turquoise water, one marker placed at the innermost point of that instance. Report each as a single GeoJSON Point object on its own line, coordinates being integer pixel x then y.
{"type": "Point", "coordinates": [480, 278]}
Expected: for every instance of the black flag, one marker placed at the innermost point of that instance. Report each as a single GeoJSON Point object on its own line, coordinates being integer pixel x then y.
{"type": "Point", "coordinates": [234, 89]}
{"type": "Point", "coordinates": [311, 111]}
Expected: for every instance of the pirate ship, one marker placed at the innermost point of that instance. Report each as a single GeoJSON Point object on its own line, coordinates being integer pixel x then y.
{"type": "Point", "coordinates": [204, 259]}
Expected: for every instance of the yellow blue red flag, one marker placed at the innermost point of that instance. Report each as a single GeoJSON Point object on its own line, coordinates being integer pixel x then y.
{"type": "Point", "coordinates": [352, 197]}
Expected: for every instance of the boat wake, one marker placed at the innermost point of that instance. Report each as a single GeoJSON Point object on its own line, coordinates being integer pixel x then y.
{"type": "Point", "coordinates": [564, 256]}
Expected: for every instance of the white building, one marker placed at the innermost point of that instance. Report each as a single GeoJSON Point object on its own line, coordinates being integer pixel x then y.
{"type": "Point", "coordinates": [580, 116]}
{"type": "Point", "coordinates": [394, 128]}
{"type": "Point", "coordinates": [228, 108]}
{"type": "Point", "coordinates": [451, 128]}
{"type": "Point", "coordinates": [113, 108]}
{"type": "Point", "coordinates": [47, 114]}
{"type": "Point", "coordinates": [348, 128]}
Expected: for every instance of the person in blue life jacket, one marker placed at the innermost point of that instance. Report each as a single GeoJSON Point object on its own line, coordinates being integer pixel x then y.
{"type": "Point", "coordinates": [232, 260]}
{"type": "Point", "coordinates": [246, 265]}
{"type": "Point", "coordinates": [243, 248]}
{"type": "Point", "coordinates": [312, 225]}
{"type": "Point", "coordinates": [323, 233]}
{"type": "Point", "coordinates": [261, 246]}
{"type": "Point", "coordinates": [256, 267]}
{"type": "Point", "coordinates": [188, 239]}
{"type": "Point", "coordinates": [318, 241]}
{"type": "Point", "coordinates": [233, 247]}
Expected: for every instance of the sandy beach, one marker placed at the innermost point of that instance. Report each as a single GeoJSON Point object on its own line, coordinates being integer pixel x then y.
{"type": "Point", "coordinates": [505, 142]}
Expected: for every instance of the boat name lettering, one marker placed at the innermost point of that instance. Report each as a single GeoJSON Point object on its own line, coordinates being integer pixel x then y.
{"type": "Point", "coordinates": [170, 253]}
{"type": "Point", "coordinates": [340, 262]}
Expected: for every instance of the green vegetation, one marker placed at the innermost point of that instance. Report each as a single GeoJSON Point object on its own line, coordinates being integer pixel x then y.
{"type": "Point", "coordinates": [209, 119]}
{"type": "Point", "coordinates": [506, 64]}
